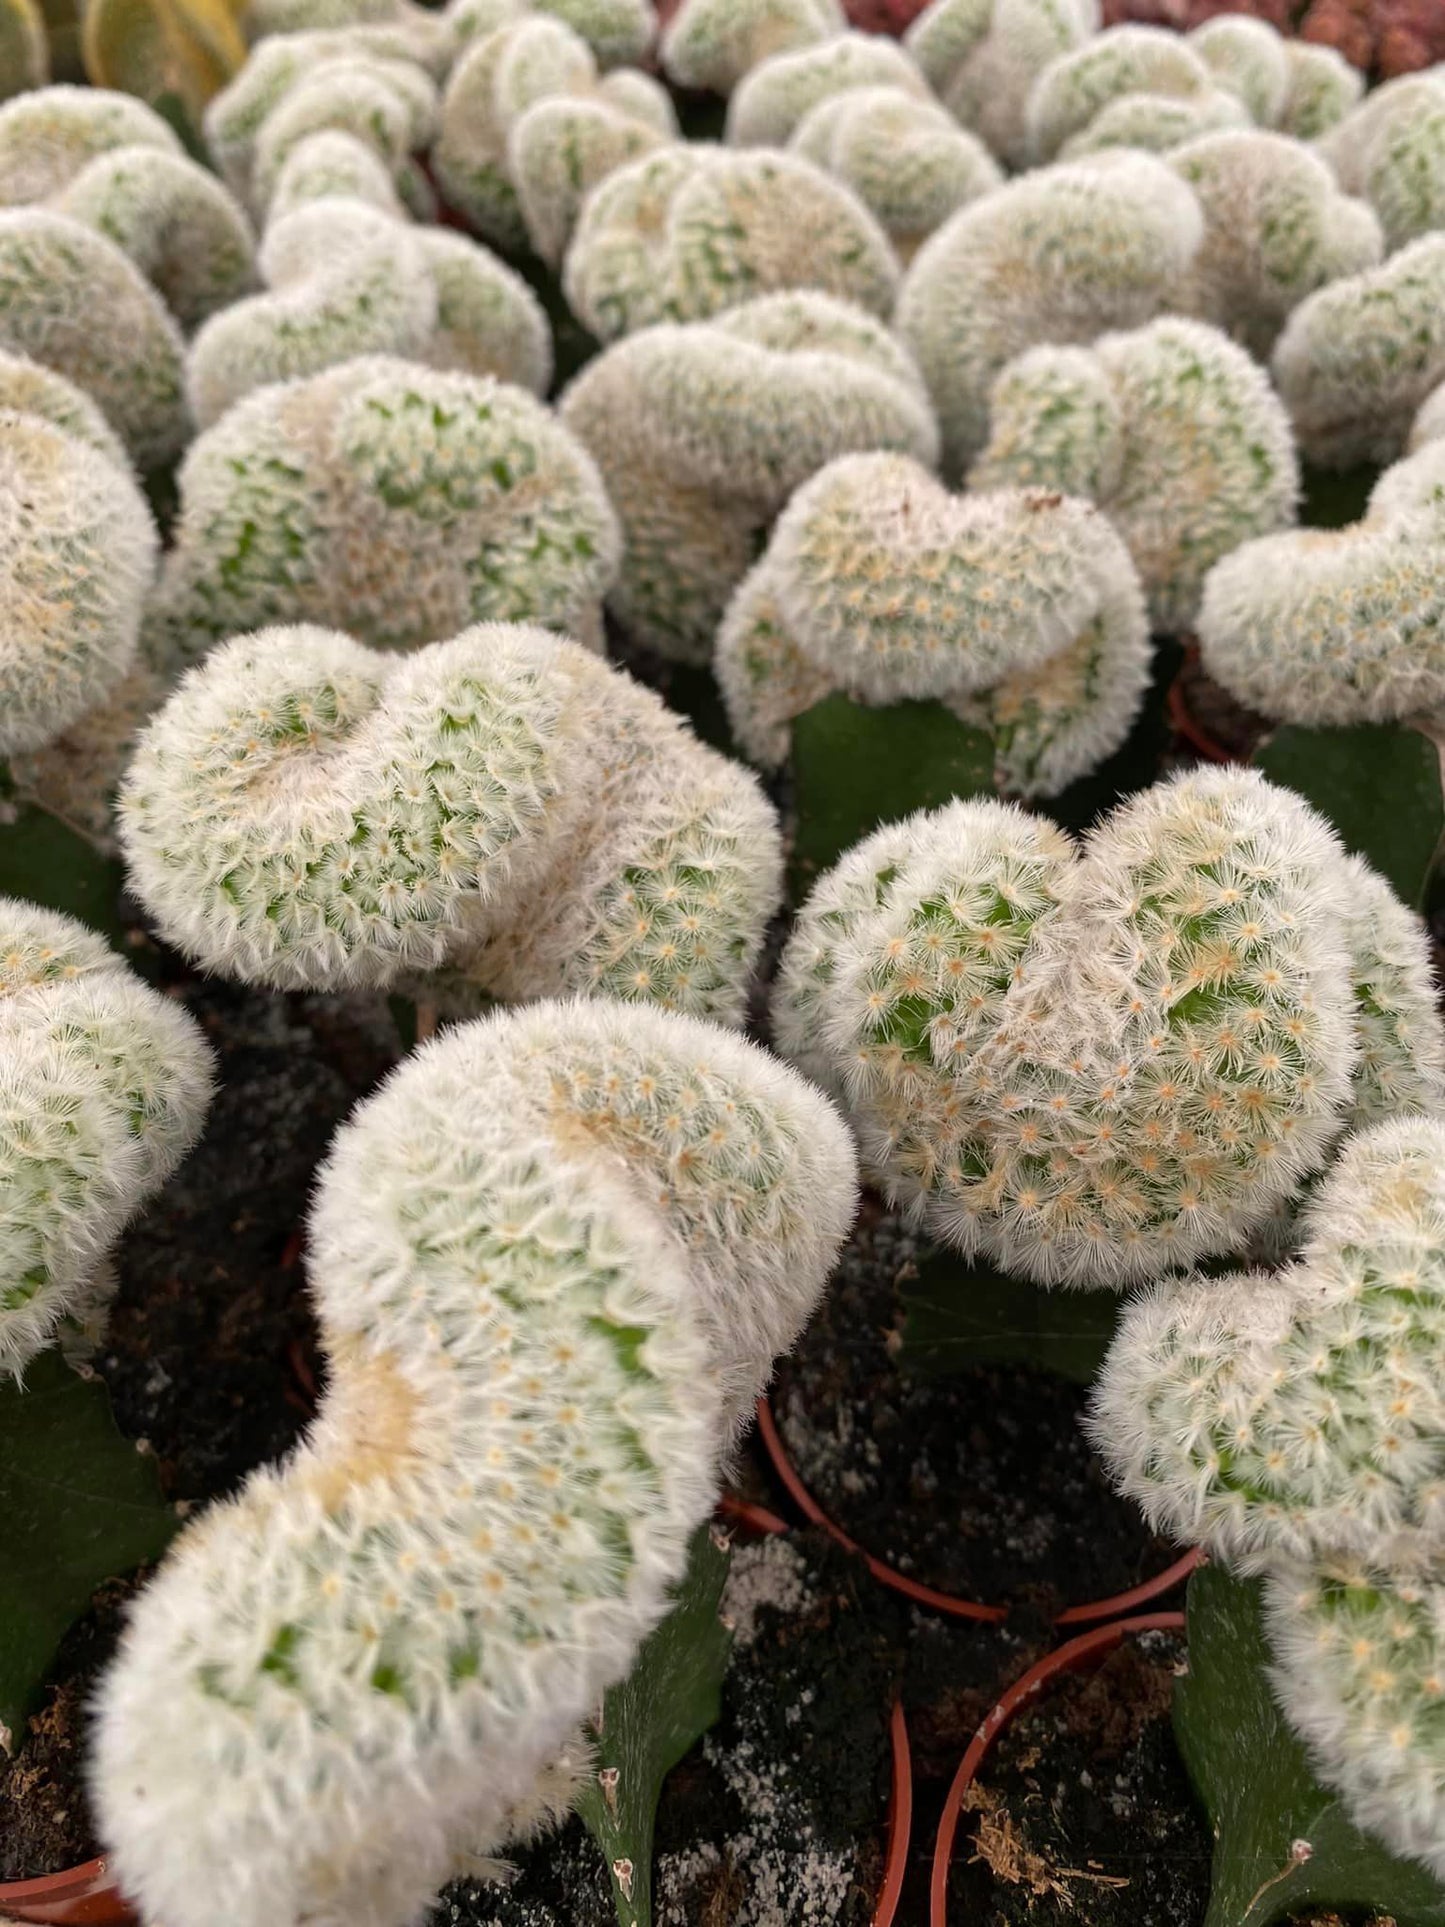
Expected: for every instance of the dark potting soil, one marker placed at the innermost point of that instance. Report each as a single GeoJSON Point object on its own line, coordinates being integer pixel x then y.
{"type": "Point", "coordinates": [777, 1816]}
{"type": "Point", "coordinates": [1083, 1810]}
{"type": "Point", "coordinates": [1225, 722]}
{"type": "Point", "coordinates": [981, 1483]}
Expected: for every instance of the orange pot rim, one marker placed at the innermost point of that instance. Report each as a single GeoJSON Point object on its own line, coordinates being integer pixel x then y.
{"type": "Point", "coordinates": [1071, 1657]}
{"type": "Point", "coordinates": [82, 1896]}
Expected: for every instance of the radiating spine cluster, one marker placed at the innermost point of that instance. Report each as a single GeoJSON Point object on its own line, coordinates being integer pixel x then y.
{"type": "Point", "coordinates": [1091, 1067]}
{"type": "Point", "coordinates": [703, 431]}
{"type": "Point", "coordinates": [1020, 610]}
{"type": "Point", "coordinates": [553, 1260]}
{"type": "Point", "coordinates": [502, 809]}
{"type": "Point", "coordinates": [105, 1085]}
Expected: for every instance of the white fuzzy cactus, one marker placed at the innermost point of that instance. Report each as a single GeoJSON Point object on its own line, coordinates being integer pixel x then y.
{"type": "Point", "coordinates": [1249, 58]}
{"type": "Point", "coordinates": [77, 556]}
{"type": "Point", "coordinates": [1294, 1424]}
{"type": "Point", "coordinates": [528, 127]}
{"type": "Point", "coordinates": [907, 160]}
{"type": "Point", "coordinates": [772, 100]}
{"type": "Point", "coordinates": [488, 320]}
{"type": "Point", "coordinates": [1172, 430]}
{"type": "Point", "coordinates": [1302, 1413]}
{"type": "Point", "coordinates": [1276, 227]}
{"type": "Point", "coordinates": [692, 230]}
{"type": "Point", "coordinates": [1360, 1672]}
{"type": "Point", "coordinates": [1157, 123]}
{"type": "Point", "coordinates": [1130, 59]}
{"type": "Point", "coordinates": [711, 44]}
{"type": "Point", "coordinates": [1429, 422]}
{"type": "Point", "coordinates": [395, 27]}
{"type": "Point", "coordinates": [1093, 1067]}
{"type": "Point", "coordinates": [181, 227]}
{"type": "Point", "coordinates": [403, 502]}
{"type": "Point", "coordinates": [502, 808]}
{"type": "Point", "coordinates": [1391, 150]}
{"type": "Point", "coordinates": [1060, 255]}
{"type": "Point", "coordinates": [1357, 358]}
{"type": "Point", "coordinates": [334, 163]}
{"type": "Point", "coordinates": [982, 58]}
{"type": "Point", "coordinates": [1343, 625]}
{"type": "Point", "coordinates": [553, 1260]}
{"type": "Point", "coordinates": [104, 1085]}
{"type": "Point", "coordinates": [1021, 611]}
{"type": "Point", "coordinates": [703, 431]}
{"type": "Point", "coordinates": [1323, 87]}
{"type": "Point", "coordinates": [47, 136]}
{"type": "Point", "coordinates": [71, 299]}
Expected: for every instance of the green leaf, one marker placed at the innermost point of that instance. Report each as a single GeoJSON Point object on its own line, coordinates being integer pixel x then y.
{"type": "Point", "coordinates": [1378, 783]}
{"type": "Point", "coordinates": [1255, 1780]}
{"type": "Point", "coordinates": [44, 860]}
{"type": "Point", "coordinates": [856, 767]}
{"type": "Point", "coordinates": [80, 1505]}
{"type": "Point", "coordinates": [957, 1315]}
{"type": "Point", "coordinates": [666, 1703]}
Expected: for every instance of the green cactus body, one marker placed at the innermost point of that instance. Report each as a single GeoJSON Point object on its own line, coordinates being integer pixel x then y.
{"type": "Point", "coordinates": [775, 97]}
{"type": "Point", "coordinates": [1075, 86]}
{"type": "Point", "coordinates": [711, 44]}
{"type": "Point", "coordinates": [1323, 87]}
{"type": "Point", "coordinates": [982, 57]}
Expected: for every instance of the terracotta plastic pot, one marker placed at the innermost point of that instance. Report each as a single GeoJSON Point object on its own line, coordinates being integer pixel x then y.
{"type": "Point", "coordinates": [83, 1896]}
{"type": "Point", "coordinates": [1182, 719]}
{"type": "Point", "coordinates": [945, 1602]}
{"type": "Point", "coordinates": [1077, 1655]}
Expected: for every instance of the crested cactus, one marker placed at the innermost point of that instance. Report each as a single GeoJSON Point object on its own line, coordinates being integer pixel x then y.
{"type": "Point", "coordinates": [398, 29]}
{"type": "Point", "coordinates": [69, 298]}
{"type": "Point", "coordinates": [503, 809]}
{"type": "Point", "coordinates": [982, 57]}
{"type": "Point", "coordinates": [1060, 255]}
{"type": "Point", "coordinates": [1248, 57]}
{"type": "Point", "coordinates": [553, 1260]}
{"type": "Point", "coordinates": [1323, 87]}
{"type": "Point", "coordinates": [528, 127]}
{"type": "Point", "coordinates": [389, 104]}
{"type": "Point", "coordinates": [184, 49]}
{"type": "Point", "coordinates": [907, 160]}
{"type": "Point", "coordinates": [1357, 357]}
{"type": "Point", "coordinates": [106, 1086]}
{"type": "Point", "coordinates": [703, 431]}
{"type": "Point", "coordinates": [620, 33]}
{"type": "Point", "coordinates": [402, 501]}
{"type": "Point", "coordinates": [1293, 1423]}
{"type": "Point", "coordinates": [1276, 227]}
{"type": "Point", "coordinates": [488, 322]}
{"type": "Point", "coordinates": [77, 554]}
{"type": "Point", "coordinates": [1391, 150]}
{"type": "Point", "coordinates": [1093, 1067]}
{"type": "Point", "coordinates": [711, 44]}
{"type": "Point", "coordinates": [1075, 86]}
{"type": "Point", "coordinates": [1022, 612]}
{"type": "Point", "coordinates": [1171, 430]}
{"type": "Point", "coordinates": [1301, 1414]}
{"type": "Point", "coordinates": [1341, 625]}
{"type": "Point", "coordinates": [1429, 423]}
{"type": "Point", "coordinates": [771, 102]}
{"type": "Point", "coordinates": [691, 230]}
{"type": "Point", "coordinates": [180, 226]}
{"type": "Point", "coordinates": [334, 164]}
{"type": "Point", "coordinates": [24, 49]}
{"type": "Point", "coordinates": [1156, 123]}
{"type": "Point", "coordinates": [48, 136]}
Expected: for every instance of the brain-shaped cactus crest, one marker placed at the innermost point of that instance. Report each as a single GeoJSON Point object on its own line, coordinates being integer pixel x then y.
{"type": "Point", "coordinates": [553, 1260]}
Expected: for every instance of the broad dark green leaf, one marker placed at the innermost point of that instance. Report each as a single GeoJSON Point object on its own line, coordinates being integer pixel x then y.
{"type": "Point", "coordinates": [666, 1703]}
{"type": "Point", "coordinates": [79, 1504]}
{"type": "Point", "coordinates": [1378, 783]}
{"type": "Point", "coordinates": [856, 767]}
{"type": "Point", "coordinates": [958, 1315]}
{"type": "Point", "coordinates": [1255, 1781]}
{"type": "Point", "coordinates": [45, 861]}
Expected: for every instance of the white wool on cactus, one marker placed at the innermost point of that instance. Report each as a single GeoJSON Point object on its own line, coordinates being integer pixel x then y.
{"type": "Point", "coordinates": [553, 1260]}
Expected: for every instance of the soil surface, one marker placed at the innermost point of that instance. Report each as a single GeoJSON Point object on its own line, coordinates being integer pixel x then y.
{"type": "Point", "coordinates": [1083, 1811]}
{"type": "Point", "coordinates": [1215, 713]}
{"type": "Point", "coordinates": [778, 1815]}
{"type": "Point", "coordinates": [981, 1483]}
